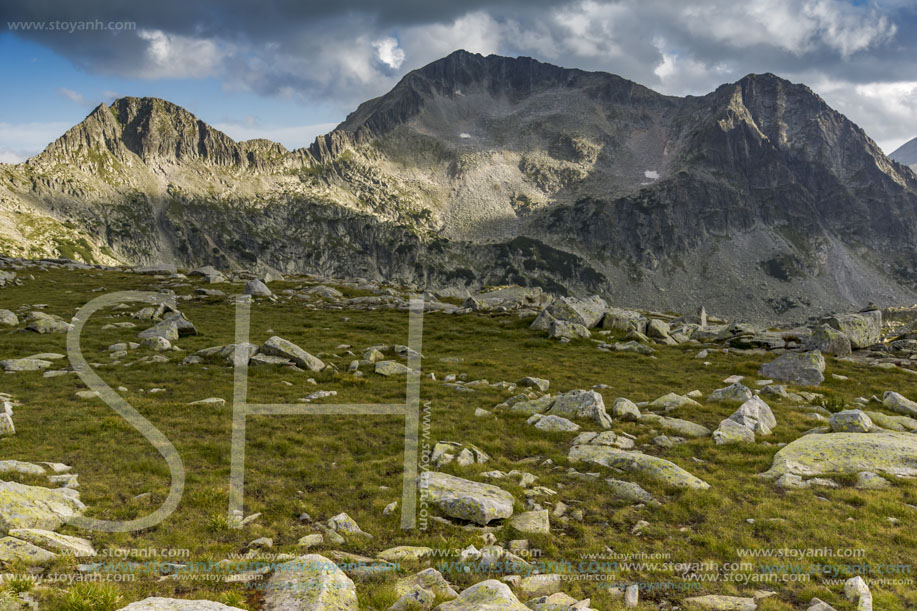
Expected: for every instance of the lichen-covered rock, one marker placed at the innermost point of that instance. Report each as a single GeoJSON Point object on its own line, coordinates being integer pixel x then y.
{"type": "Point", "coordinates": [257, 288]}
{"type": "Point", "coordinates": [624, 320]}
{"type": "Point", "coordinates": [563, 329]}
{"type": "Point", "coordinates": [404, 552]}
{"type": "Point", "coordinates": [310, 583]}
{"type": "Point", "coordinates": [755, 415]}
{"type": "Point", "coordinates": [672, 401]}
{"type": "Point", "coordinates": [13, 550]}
{"type": "Point", "coordinates": [731, 431]}
{"type": "Point", "coordinates": [625, 409]}
{"type": "Point", "coordinates": [490, 595]}
{"type": "Point", "coordinates": [830, 341]}
{"type": "Point", "coordinates": [737, 392]}
{"type": "Point", "coordinates": [391, 368]}
{"type": "Point", "coordinates": [532, 522]}
{"type": "Point", "coordinates": [534, 406]}
{"type": "Point", "coordinates": [8, 318]}
{"type": "Point", "coordinates": [630, 492]}
{"type": "Point", "coordinates": [891, 453]}
{"type": "Point", "coordinates": [417, 599]}
{"type": "Point", "coordinates": [585, 312]}
{"type": "Point", "coordinates": [899, 403]}
{"type": "Point", "coordinates": [685, 428]}
{"type": "Point", "coordinates": [277, 346]}
{"type": "Point", "coordinates": [23, 506]}
{"type": "Point", "coordinates": [156, 603]}
{"type": "Point", "coordinates": [27, 364]}
{"type": "Point", "coordinates": [805, 368]}
{"type": "Point", "coordinates": [63, 544]}
{"type": "Point", "coordinates": [717, 602]}
{"type": "Point", "coordinates": [428, 579]}
{"type": "Point", "coordinates": [464, 499]}
{"type": "Point", "coordinates": [585, 404]}
{"type": "Point", "coordinates": [862, 329]}
{"type": "Point", "coordinates": [651, 467]}
{"type": "Point", "coordinates": [851, 421]}
{"type": "Point", "coordinates": [553, 424]}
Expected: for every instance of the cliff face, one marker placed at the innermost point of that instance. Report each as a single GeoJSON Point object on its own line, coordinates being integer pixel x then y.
{"type": "Point", "coordinates": [756, 200]}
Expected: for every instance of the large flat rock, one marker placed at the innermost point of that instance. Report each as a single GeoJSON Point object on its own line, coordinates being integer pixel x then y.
{"type": "Point", "coordinates": [465, 499]}
{"type": "Point", "coordinates": [893, 453]}
{"type": "Point", "coordinates": [174, 604]}
{"type": "Point", "coordinates": [23, 506]}
{"type": "Point", "coordinates": [651, 467]}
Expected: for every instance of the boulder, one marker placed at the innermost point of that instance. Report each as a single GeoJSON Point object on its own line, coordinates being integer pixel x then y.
{"type": "Point", "coordinates": [464, 499]}
{"type": "Point", "coordinates": [891, 453]}
{"type": "Point", "coordinates": [731, 431]}
{"type": "Point", "coordinates": [257, 288]}
{"type": "Point", "coordinates": [8, 318]}
{"type": "Point", "coordinates": [584, 404]}
{"type": "Point", "coordinates": [734, 392]}
{"type": "Point", "coordinates": [624, 320]}
{"type": "Point", "coordinates": [310, 583]}
{"type": "Point", "coordinates": [554, 424]}
{"type": "Point", "coordinates": [532, 522]}
{"type": "Point", "coordinates": [804, 368]}
{"type": "Point", "coordinates": [899, 403]}
{"type": "Point", "coordinates": [658, 329]}
{"type": "Point", "coordinates": [539, 383]}
{"type": "Point", "coordinates": [562, 329]}
{"type": "Point", "coordinates": [48, 325]}
{"type": "Point", "coordinates": [651, 467]}
{"type": "Point", "coordinates": [755, 415]}
{"type": "Point", "coordinates": [672, 401]}
{"type": "Point", "coordinates": [862, 329]}
{"type": "Point", "coordinates": [585, 312]}
{"type": "Point", "coordinates": [23, 506]}
{"type": "Point", "coordinates": [830, 341]}
{"type": "Point", "coordinates": [416, 599]}
{"type": "Point", "coordinates": [851, 421]}
{"type": "Point", "coordinates": [391, 368]}
{"type": "Point", "coordinates": [428, 579]}
{"type": "Point", "coordinates": [490, 595]}
{"type": "Point", "coordinates": [156, 603]}
{"type": "Point", "coordinates": [685, 428]}
{"type": "Point", "coordinates": [277, 346]}
{"type": "Point", "coordinates": [630, 492]}
{"type": "Point", "coordinates": [28, 364]}
{"type": "Point", "coordinates": [625, 409]}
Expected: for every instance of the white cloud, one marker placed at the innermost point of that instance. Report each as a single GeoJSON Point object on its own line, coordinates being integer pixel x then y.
{"type": "Point", "coordinates": [19, 141]}
{"type": "Point", "coordinates": [73, 96]}
{"type": "Point", "coordinates": [389, 53]}
{"type": "Point", "coordinates": [176, 56]}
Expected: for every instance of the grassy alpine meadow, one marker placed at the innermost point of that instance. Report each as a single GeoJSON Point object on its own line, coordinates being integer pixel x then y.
{"type": "Point", "coordinates": [740, 536]}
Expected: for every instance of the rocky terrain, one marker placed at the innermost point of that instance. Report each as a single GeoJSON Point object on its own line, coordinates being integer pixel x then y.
{"type": "Point", "coordinates": [756, 200]}
{"type": "Point", "coordinates": [574, 454]}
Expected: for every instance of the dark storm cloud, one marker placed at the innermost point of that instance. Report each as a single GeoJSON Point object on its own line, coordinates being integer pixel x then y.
{"type": "Point", "coordinates": [347, 51]}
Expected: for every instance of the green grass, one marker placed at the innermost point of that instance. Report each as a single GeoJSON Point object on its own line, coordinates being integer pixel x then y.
{"type": "Point", "coordinates": [325, 465]}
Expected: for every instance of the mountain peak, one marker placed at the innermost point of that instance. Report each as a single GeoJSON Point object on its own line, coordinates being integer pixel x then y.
{"type": "Point", "coordinates": [906, 154]}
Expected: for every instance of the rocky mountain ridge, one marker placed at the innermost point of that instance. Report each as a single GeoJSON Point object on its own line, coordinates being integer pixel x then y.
{"type": "Point", "coordinates": [757, 200]}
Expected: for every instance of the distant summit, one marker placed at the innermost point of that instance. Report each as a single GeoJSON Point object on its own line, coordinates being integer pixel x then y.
{"type": "Point", "coordinates": [906, 154]}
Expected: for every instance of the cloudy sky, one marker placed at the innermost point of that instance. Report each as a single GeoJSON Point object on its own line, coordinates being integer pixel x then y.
{"type": "Point", "coordinates": [291, 69]}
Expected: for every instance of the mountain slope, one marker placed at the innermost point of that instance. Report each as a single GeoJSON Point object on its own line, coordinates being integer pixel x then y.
{"type": "Point", "coordinates": [906, 154]}
{"type": "Point", "coordinates": [756, 200]}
